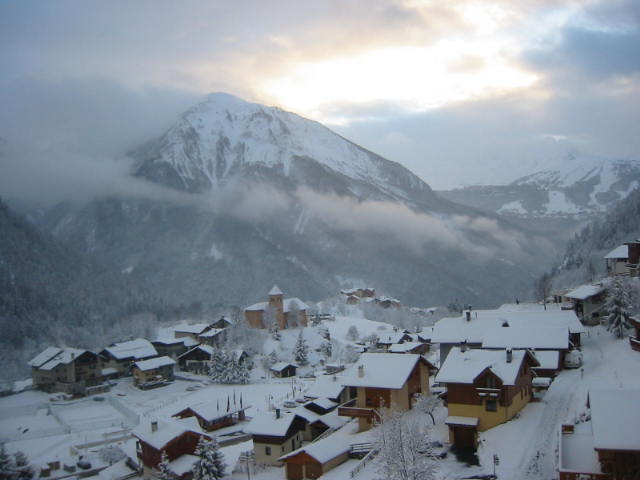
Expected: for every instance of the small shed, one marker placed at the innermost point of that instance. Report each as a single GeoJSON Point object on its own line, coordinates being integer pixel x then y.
{"type": "Point", "coordinates": [283, 369]}
{"type": "Point", "coordinates": [195, 360]}
{"type": "Point", "coordinates": [317, 458]}
{"type": "Point", "coordinates": [154, 372]}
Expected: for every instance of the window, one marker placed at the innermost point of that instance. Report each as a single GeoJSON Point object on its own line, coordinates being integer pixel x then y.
{"type": "Point", "coordinates": [293, 444]}
{"type": "Point", "coordinates": [491, 405]}
{"type": "Point", "coordinates": [267, 450]}
{"type": "Point", "coordinates": [490, 382]}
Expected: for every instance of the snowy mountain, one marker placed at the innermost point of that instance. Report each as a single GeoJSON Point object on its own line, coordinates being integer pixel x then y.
{"type": "Point", "coordinates": [579, 186]}
{"type": "Point", "coordinates": [257, 196]}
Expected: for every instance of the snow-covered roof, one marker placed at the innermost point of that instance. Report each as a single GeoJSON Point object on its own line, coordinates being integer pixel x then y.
{"type": "Point", "coordinates": [167, 430]}
{"type": "Point", "coordinates": [280, 366]}
{"type": "Point", "coordinates": [153, 363]}
{"type": "Point", "coordinates": [183, 464]}
{"type": "Point", "coordinates": [576, 454]}
{"type": "Point", "coordinates": [268, 424]}
{"type": "Point", "coordinates": [275, 291]}
{"type": "Point", "coordinates": [63, 356]}
{"type": "Point", "coordinates": [44, 356]}
{"type": "Point", "coordinates": [323, 450]}
{"type": "Point", "coordinates": [109, 371]}
{"type": "Point", "coordinates": [116, 471]}
{"type": "Point", "coordinates": [287, 304]}
{"type": "Point", "coordinates": [404, 347]}
{"type": "Point", "coordinates": [204, 348]}
{"type": "Point", "coordinates": [585, 291]}
{"type": "Point", "coordinates": [614, 422]}
{"type": "Point", "coordinates": [621, 252]}
{"type": "Point", "coordinates": [464, 367]}
{"type": "Point", "coordinates": [458, 329]}
{"type": "Point", "coordinates": [466, 421]}
{"type": "Point", "coordinates": [212, 333]}
{"type": "Point", "coordinates": [548, 359]}
{"type": "Point", "coordinates": [391, 337]}
{"type": "Point", "coordinates": [329, 386]}
{"type": "Point", "coordinates": [214, 409]}
{"type": "Point", "coordinates": [196, 328]}
{"type": "Point", "coordinates": [138, 349]}
{"type": "Point", "coordinates": [308, 415]}
{"type": "Point", "coordinates": [381, 370]}
{"type": "Point", "coordinates": [332, 419]}
{"type": "Point", "coordinates": [526, 337]}
{"type": "Point", "coordinates": [323, 402]}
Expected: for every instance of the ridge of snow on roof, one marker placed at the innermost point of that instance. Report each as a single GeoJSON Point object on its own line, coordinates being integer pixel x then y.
{"type": "Point", "coordinates": [196, 328]}
{"type": "Point", "coordinates": [44, 356]}
{"type": "Point", "coordinates": [323, 402]}
{"type": "Point", "coordinates": [585, 291]}
{"type": "Point", "coordinates": [214, 409]}
{"type": "Point", "coordinates": [138, 349]}
{"type": "Point", "coordinates": [64, 357]}
{"type": "Point", "coordinates": [323, 450]}
{"type": "Point", "coordinates": [205, 348]}
{"type": "Point", "coordinates": [549, 359]}
{"type": "Point", "coordinates": [287, 303]}
{"type": "Point", "coordinates": [275, 291]}
{"type": "Point", "coordinates": [391, 337]}
{"type": "Point", "coordinates": [332, 419]}
{"type": "Point", "coordinates": [212, 333]}
{"type": "Point", "coordinates": [278, 367]}
{"type": "Point", "coordinates": [619, 252]}
{"type": "Point", "coordinates": [382, 370]}
{"type": "Point", "coordinates": [268, 424]}
{"type": "Point", "coordinates": [183, 464]}
{"type": "Point", "coordinates": [526, 337]}
{"type": "Point", "coordinates": [167, 431]}
{"type": "Point", "coordinates": [616, 426]}
{"type": "Point", "coordinates": [464, 367]}
{"type": "Point", "coordinates": [404, 347]}
{"type": "Point", "coordinates": [153, 363]}
{"type": "Point", "coordinates": [329, 386]}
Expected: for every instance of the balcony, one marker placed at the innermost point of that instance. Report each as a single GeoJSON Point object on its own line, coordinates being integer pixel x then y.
{"type": "Point", "coordinates": [349, 410]}
{"type": "Point", "coordinates": [635, 343]}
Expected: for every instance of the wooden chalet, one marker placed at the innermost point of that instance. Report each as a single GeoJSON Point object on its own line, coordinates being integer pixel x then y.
{"type": "Point", "coordinates": [624, 260]}
{"type": "Point", "coordinates": [417, 348]}
{"type": "Point", "coordinates": [588, 301]}
{"type": "Point", "coordinates": [221, 323]}
{"type": "Point", "coordinates": [68, 370]}
{"type": "Point", "coordinates": [282, 308]}
{"type": "Point", "coordinates": [177, 438]}
{"type": "Point", "coordinates": [484, 388]}
{"type": "Point", "coordinates": [331, 387]}
{"type": "Point", "coordinates": [173, 347]}
{"type": "Point", "coordinates": [607, 447]}
{"type": "Point", "coordinates": [275, 435]}
{"type": "Point", "coordinates": [122, 355]}
{"type": "Point", "coordinates": [153, 372]}
{"type": "Point", "coordinates": [197, 359]}
{"type": "Point", "coordinates": [386, 339]}
{"type": "Point", "coordinates": [283, 370]}
{"type": "Point", "coordinates": [316, 459]}
{"type": "Point", "coordinates": [216, 414]}
{"type": "Point", "coordinates": [384, 380]}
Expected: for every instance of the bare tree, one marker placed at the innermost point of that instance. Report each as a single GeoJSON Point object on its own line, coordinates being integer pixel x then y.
{"type": "Point", "coordinates": [543, 288]}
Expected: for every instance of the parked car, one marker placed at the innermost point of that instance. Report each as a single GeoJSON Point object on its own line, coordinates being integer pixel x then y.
{"type": "Point", "coordinates": [573, 359]}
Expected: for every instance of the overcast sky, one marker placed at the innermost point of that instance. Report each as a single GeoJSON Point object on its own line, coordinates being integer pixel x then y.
{"type": "Point", "coordinates": [459, 91]}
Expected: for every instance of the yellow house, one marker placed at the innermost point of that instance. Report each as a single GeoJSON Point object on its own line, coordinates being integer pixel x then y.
{"type": "Point", "coordinates": [384, 380]}
{"type": "Point", "coordinates": [484, 388]}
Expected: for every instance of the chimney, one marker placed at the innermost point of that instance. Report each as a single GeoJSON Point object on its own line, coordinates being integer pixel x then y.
{"type": "Point", "coordinates": [277, 413]}
{"type": "Point", "coordinates": [509, 355]}
{"type": "Point", "coordinates": [154, 426]}
{"type": "Point", "coordinates": [467, 314]}
{"type": "Point", "coordinates": [463, 346]}
{"type": "Point", "coordinates": [360, 371]}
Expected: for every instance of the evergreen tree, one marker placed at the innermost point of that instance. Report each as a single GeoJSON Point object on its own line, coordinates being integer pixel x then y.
{"type": "Point", "coordinates": [618, 306]}
{"type": "Point", "coordinates": [218, 366]}
{"type": "Point", "coordinates": [301, 351]}
{"type": "Point", "coordinates": [23, 470]}
{"type": "Point", "coordinates": [210, 464]}
{"type": "Point", "coordinates": [326, 348]}
{"type": "Point", "coordinates": [164, 473]}
{"type": "Point", "coordinates": [6, 464]}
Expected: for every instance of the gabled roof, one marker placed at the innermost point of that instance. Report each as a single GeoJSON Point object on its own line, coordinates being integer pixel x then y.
{"type": "Point", "coordinates": [548, 359]}
{"type": "Point", "coordinates": [203, 348]}
{"type": "Point", "coordinates": [196, 328]}
{"type": "Point", "coordinates": [136, 349]}
{"type": "Point", "coordinates": [214, 409]}
{"type": "Point", "coordinates": [330, 386]}
{"type": "Point", "coordinates": [167, 430]}
{"type": "Point", "coordinates": [614, 419]}
{"type": "Point", "coordinates": [391, 337]}
{"type": "Point", "coordinates": [267, 424]}
{"type": "Point", "coordinates": [153, 363]}
{"type": "Point", "coordinates": [585, 291]}
{"type": "Point", "coordinates": [214, 332]}
{"type": "Point", "coordinates": [621, 252]}
{"type": "Point", "coordinates": [465, 367]}
{"type": "Point", "coordinates": [404, 347]}
{"type": "Point", "coordinates": [51, 357]}
{"type": "Point", "coordinates": [332, 419]}
{"type": "Point", "coordinates": [323, 450]}
{"type": "Point", "coordinates": [382, 370]}
{"type": "Point", "coordinates": [280, 366]}
{"type": "Point", "coordinates": [44, 356]}
{"type": "Point", "coordinates": [287, 304]}
{"type": "Point", "coordinates": [548, 338]}
{"type": "Point", "coordinates": [275, 291]}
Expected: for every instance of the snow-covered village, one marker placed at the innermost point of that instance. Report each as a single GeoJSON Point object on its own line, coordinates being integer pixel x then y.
{"type": "Point", "coordinates": [335, 239]}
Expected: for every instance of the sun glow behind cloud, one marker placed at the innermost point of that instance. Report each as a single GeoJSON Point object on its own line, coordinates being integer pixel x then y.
{"type": "Point", "coordinates": [414, 78]}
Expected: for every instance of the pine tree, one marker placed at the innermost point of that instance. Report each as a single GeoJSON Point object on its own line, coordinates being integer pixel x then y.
{"type": "Point", "coordinates": [618, 306]}
{"type": "Point", "coordinates": [23, 470]}
{"type": "Point", "coordinates": [164, 473]}
{"type": "Point", "coordinates": [326, 348]}
{"type": "Point", "coordinates": [210, 464]}
{"type": "Point", "coordinates": [6, 464]}
{"type": "Point", "coordinates": [301, 351]}
{"type": "Point", "coordinates": [218, 366]}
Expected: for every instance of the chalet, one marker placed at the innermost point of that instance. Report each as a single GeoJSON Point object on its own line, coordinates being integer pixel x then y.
{"type": "Point", "coordinates": [66, 370]}
{"type": "Point", "coordinates": [153, 372]}
{"type": "Point", "coordinates": [388, 380]}
{"type": "Point", "coordinates": [331, 387]}
{"type": "Point", "coordinates": [197, 359]}
{"type": "Point", "coordinates": [540, 339]}
{"type": "Point", "coordinates": [388, 302]}
{"type": "Point", "coordinates": [214, 337]}
{"type": "Point", "coordinates": [173, 347]}
{"type": "Point", "coordinates": [359, 292]}
{"type": "Point", "coordinates": [470, 328]}
{"type": "Point", "coordinates": [484, 388]}
{"type": "Point", "coordinates": [418, 348]}
{"type": "Point", "coordinates": [222, 323]}
{"type": "Point", "coordinates": [177, 438]}
{"type": "Point", "coordinates": [317, 458]}
{"type": "Point", "coordinates": [624, 260]}
{"type": "Point", "coordinates": [386, 339]}
{"type": "Point", "coordinates": [280, 308]}
{"type": "Point", "coordinates": [122, 355]}
{"type": "Point", "coordinates": [607, 447]}
{"type": "Point", "coordinates": [283, 369]}
{"type": "Point", "coordinates": [213, 415]}
{"type": "Point", "coordinates": [275, 435]}
{"type": "Point", "coordinates": [634, 339]}
{"type": "Point", "coordinates": [192, 331]}
{"type": "Point", "coordinates": [588, 301]}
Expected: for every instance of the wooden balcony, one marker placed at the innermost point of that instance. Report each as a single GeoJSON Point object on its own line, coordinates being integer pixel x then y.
{"type": "Point", "coordinates": [635, 343]}
{"type": "Point", "coordinates": [358, 412]}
